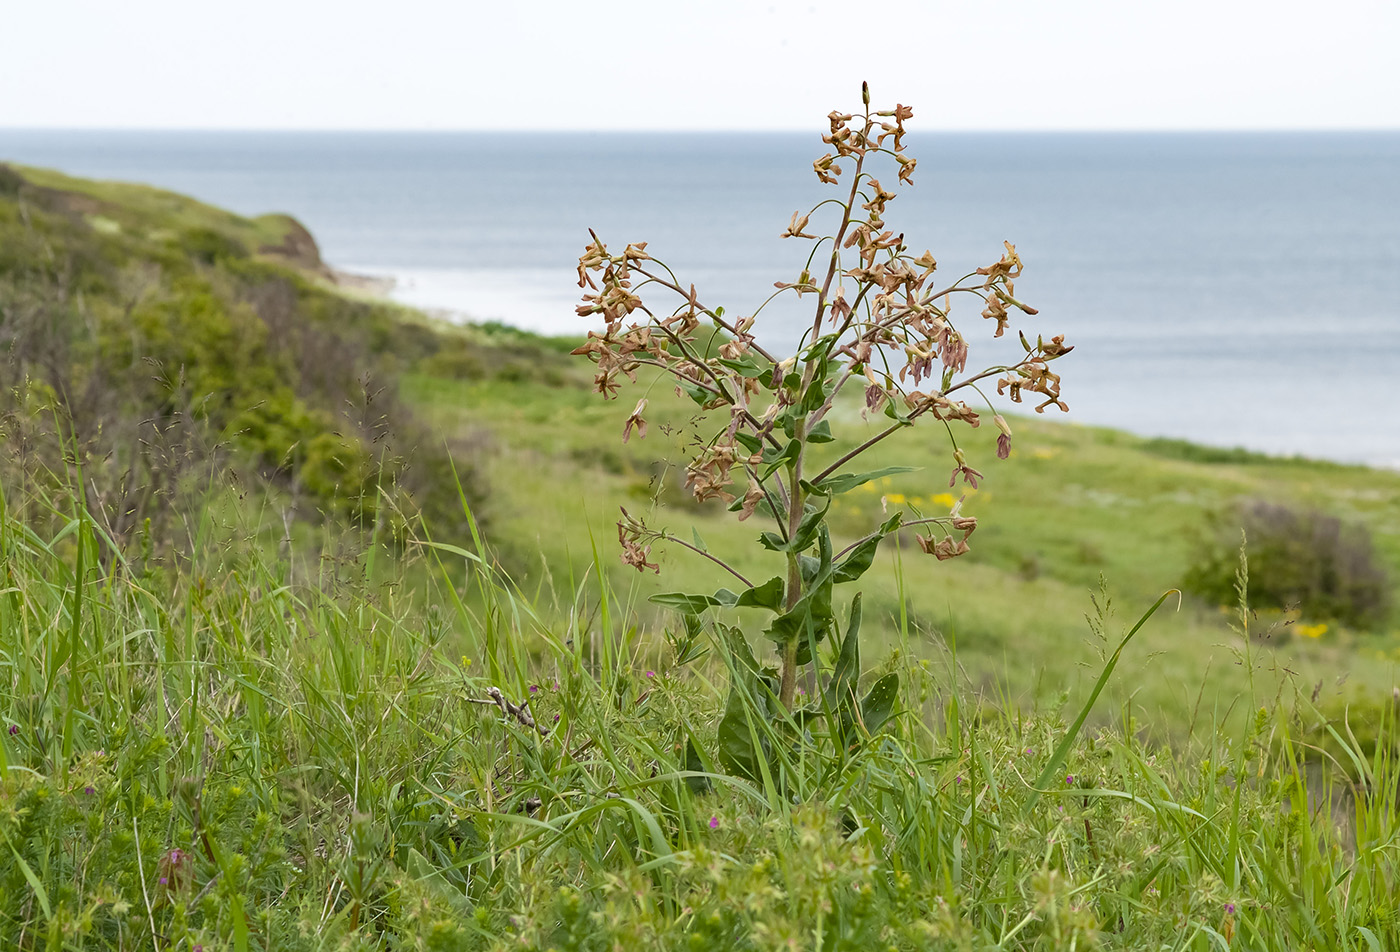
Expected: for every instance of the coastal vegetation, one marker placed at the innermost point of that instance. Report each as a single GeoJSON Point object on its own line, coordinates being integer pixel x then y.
{"type": "Point", "coordinates": [313, 635]}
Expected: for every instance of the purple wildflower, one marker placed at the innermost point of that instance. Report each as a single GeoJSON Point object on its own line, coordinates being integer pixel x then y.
{"type": "Point", "coordinates": [957, 779]}
{"type": "Point", "coordinates": [714, 823]}
{"type": "Point", "coordinates": [534, 688]}
{"type": "Point", "coordinates": [651, 674]}
{"type": "Point", "coordinates": [89, 790]}
{"type": "Point", "coordinates": [556, 718]}
{"type": "Point", "coordinates": [1229, 909]}
{"type": "Point", "coordinates": [14, 729]}
{"type": "Point", "coordinates": [1069, 780]}
{"type": "Point", "coordinates": [164, 881]}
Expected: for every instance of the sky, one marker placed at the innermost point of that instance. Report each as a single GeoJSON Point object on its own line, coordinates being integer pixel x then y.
{"type": "Point", "coordinates": [555, 65]}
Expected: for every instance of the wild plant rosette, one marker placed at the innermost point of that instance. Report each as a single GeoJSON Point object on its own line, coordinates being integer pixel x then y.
{"type": "Point", "coordinates": [880, 322]}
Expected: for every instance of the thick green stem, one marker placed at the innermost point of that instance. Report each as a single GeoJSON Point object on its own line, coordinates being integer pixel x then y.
{"type": "Point", "coordinates": [788, 686]}
{"type": "Point", "coordinates": [788, 689]}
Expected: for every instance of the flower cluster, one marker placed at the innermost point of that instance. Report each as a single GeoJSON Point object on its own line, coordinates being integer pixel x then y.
{"type": "Point", "coordinates": [879, 320]}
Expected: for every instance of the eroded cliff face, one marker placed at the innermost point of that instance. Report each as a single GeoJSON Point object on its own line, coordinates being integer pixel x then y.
{"type": "Point", "coordinates": [297, 248]}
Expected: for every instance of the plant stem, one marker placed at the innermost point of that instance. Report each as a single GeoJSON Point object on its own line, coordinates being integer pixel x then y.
{"type": "Point", "coordinates": [788, 689]}
{"type": "Point", "coordinates": [794, 580]}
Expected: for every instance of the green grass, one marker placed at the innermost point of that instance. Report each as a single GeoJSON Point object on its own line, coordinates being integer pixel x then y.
{"type": "Point", "coordinates": [1073, 504]}
{"type": "Point", "coordinates": [227, 760]}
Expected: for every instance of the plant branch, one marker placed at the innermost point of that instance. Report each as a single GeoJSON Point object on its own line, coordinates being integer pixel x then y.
{"type": "Point", "coordinates": [667, 537]}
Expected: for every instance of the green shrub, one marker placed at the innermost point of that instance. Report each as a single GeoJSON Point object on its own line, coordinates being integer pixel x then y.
{"type": "Point", "coordinates": [210, 245]}
{"type": "Point", "coordinates": [1306, 560]}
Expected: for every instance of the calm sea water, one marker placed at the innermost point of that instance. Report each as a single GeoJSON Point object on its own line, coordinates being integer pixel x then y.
{"type": "Point", "coordinates": [1229, 289]}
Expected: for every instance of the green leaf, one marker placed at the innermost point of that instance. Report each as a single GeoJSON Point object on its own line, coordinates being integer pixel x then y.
{"type": "Point", "coordinates": [846, 674]}
{"type": "Point", "coordinates": [764, 507]}
{"type": "Point", "coordinates": [695, 763]}
{"type": "Point", "coordinates": [749, 705]}
{"type": "Point", "coordinates": [699, 542]}
{"type": "Point", "coordinates": [807, 528]}
{"type": "Point", "coordinates": [769, 595]}
{"type": "Point", "coordinates": [812, 609]}
{"type": "Point", "coordinates": [894, 413]}
{"type": "Point", "coordinates": [845, 482]}
{"type": "Point", "coordinates": [862, 556]}
{"type": "Point", "coordinates": [699, 394]}
{"type": "Point", "coordinates": [821, 433]}
{"type": "Point", "coordinates": [776, 458]}
{"type": "Point", "coordinates": [878, 706]}
{"type": "Point", "coordinates": [746, 365]}
{"type": "Point", "coordinates": [725, 597]}
{"type": "Point", "coordinates": [772, 542]}
{"type": "Point", "coordinates": [685, 604]}
{"type": "Point", "coordinates": [748, 441]}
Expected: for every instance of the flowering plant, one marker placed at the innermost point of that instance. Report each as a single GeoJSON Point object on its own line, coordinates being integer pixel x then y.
{"type": "Point", "coordinates": [879, 322]}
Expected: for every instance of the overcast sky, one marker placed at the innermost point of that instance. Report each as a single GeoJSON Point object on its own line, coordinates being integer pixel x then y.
{"type": "Point", "coordinates": [435, 64]}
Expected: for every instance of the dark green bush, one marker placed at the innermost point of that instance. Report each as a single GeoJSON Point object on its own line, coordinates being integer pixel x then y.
{"type": "Point", "coordinates": [1297, 559]}
{"type": "Point", "coordinates": [211, 246]}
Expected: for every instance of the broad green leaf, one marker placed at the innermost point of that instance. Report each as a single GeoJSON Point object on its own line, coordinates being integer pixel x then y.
{"type": "Point", "coordinates": [782, 454]}
{"type": "Point", "coordinates": [845, 482]}
{"type": "Point", "coordinates": [812, 609]}
{"type": "Point", "coordinates": [821, 433]}
{"type": "Point", "coordinates": [772, 542]}
{"type": "Point", "coordinates": [814, 397]}
{"type": "Point", "coordinates": [695, 763]}
{"type": "Point", "coordinates": [858, 562]}
{"type": "Point", "coordinates": [686, 604]}
{"type": "Point", "coordinates": [878, 706]}
{"type": "Point", "coordinates": [776, 458]}
{"type": "Point", "coordinates": [847, 671]}
{"type": "Point", "coordinates": [699, 394]}
{"type": "Point", "coordinates": [699, 542]}
{"type": "Point", "coordinates": [769, 595]}
{"type": "Point", "coordinates": [747, 366]}
{"type": "Point", "coordinates": [894, 413]}
{"type": "Point", "coordinates": [807, 528]}
{"type": "Point", "coordinates": [747, 707]}
{"type": "Point", "coordinates": [748, 441]}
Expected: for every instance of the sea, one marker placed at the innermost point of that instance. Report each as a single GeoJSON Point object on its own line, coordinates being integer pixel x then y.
{"type": "Point", "coordinates": [1228, 289]}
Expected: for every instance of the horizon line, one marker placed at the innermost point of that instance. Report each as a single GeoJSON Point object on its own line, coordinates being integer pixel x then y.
{"type": "Point", "coordinates": [574, 130]}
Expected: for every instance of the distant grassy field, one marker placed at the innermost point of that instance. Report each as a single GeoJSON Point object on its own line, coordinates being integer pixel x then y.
{"type": "Point", "coordinates": [1072, 505]}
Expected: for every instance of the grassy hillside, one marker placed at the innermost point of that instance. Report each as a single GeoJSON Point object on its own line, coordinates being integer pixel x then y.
{"type": "Point", "coordinates": [170, 350]}
{"type": "Point", "coordinates": [314, 635]}
{"type": "Point", "coordinates": [1072, 505]}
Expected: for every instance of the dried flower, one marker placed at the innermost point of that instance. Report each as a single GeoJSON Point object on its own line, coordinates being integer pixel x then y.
{"type": "Point", "coordinates": [635, 420]}
{"type": "Point", "coordinates": [629, 534]}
